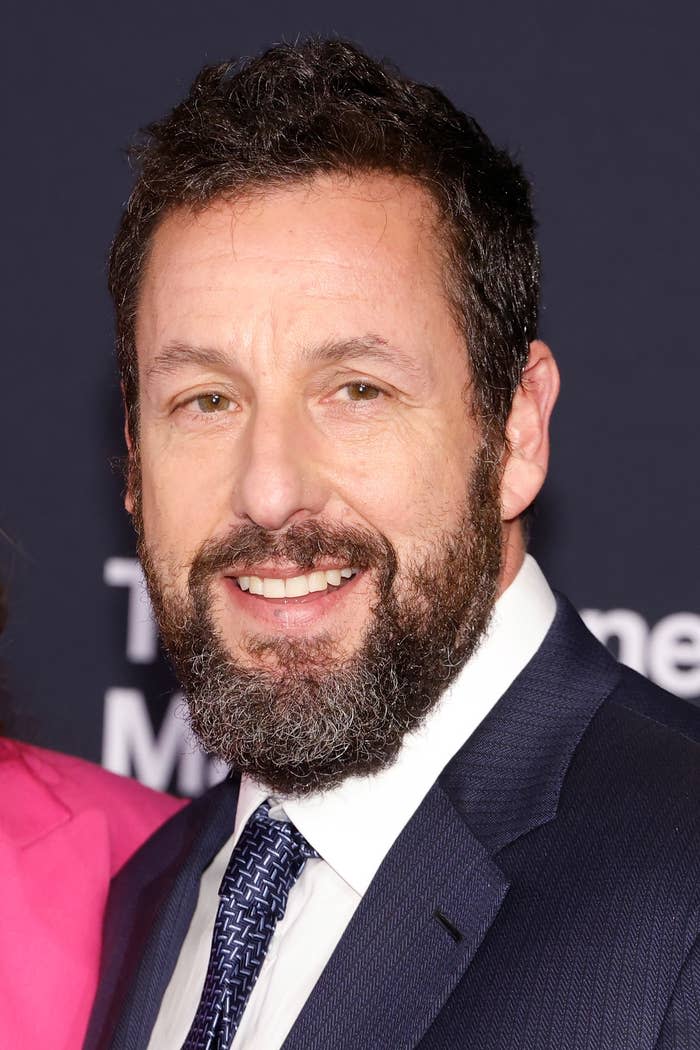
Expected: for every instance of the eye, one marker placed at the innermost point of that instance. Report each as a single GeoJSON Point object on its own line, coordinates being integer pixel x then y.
{"type": "Point", "coordinates": [362, 391]}
{"type": "Point", "coordinates": [212, 403]}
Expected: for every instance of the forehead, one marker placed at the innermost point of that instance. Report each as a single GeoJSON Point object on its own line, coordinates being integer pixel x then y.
{"type": "Point", "coordinates": [314, 252]}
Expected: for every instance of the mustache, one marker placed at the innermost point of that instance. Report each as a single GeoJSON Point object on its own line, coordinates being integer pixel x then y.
{"type": "Point", "coordinates": [304, 544]}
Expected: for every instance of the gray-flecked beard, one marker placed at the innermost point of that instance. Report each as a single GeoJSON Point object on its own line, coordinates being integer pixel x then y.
{"type": "Point", "coordinates": [297, 717]}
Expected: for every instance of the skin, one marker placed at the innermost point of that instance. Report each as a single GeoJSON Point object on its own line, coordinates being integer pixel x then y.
{"type": "Point", "coordinates": [257, 321]}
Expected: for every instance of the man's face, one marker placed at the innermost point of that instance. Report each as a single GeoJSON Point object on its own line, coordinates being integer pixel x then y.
{"type": "Point", "coordinates": [305, 446]}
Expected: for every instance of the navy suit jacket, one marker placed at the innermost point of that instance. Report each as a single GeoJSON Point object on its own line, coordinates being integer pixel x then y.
{"type": "Point", "coordinates": [545, 894]}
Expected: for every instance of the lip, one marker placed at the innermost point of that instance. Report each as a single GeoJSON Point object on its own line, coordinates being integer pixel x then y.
{"type": "Point", "coordinates": [290, 615]}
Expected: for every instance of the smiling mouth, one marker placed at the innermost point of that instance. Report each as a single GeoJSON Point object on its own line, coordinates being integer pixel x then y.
{"type": "Point", "coordinates": [316, 582]}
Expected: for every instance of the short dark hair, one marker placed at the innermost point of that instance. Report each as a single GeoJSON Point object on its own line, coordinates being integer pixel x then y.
{"type": "Point", "coordinates": [324, 106]}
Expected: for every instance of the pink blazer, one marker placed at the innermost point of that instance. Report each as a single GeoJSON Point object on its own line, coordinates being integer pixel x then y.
{"type": "Point", "coordinates": [66, 827]}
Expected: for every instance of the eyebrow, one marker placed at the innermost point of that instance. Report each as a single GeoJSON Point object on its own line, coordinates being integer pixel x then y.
{"type": "Point", "coordinates": [368, 346]}
{"type": "Point", "coordinates": [176, 355]}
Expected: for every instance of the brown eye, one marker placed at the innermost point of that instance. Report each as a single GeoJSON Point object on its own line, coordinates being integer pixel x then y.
{"type": "Point", "coordinates": [362, 392]}
{"type": "Point", "coordinates": [213, 403]}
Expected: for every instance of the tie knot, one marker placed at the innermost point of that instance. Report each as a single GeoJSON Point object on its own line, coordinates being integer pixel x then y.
{"type": "Point", "coordinates": [267, 860]}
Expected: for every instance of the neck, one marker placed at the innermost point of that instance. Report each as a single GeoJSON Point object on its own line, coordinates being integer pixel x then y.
{"type": "Point", "coordinates": [513, 554]}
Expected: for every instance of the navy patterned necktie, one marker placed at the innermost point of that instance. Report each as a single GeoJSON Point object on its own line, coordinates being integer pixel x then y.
{"type": "Point", "coordinates": [266, 862]}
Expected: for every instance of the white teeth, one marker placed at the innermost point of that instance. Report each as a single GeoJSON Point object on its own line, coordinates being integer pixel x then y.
{"type": "Point", "coordinates": [317, 581]}
{"type": "Point", "coordinates": [296, 586]}
{"type": "Point", "coordinates": [273, 588]}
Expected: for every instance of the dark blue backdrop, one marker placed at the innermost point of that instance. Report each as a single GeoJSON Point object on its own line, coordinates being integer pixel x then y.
{"type": "Point", "coordinates": [602, 106]}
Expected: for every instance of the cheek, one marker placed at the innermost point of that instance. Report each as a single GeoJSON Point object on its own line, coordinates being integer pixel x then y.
{"type": "Point", "coordinates": [184, 501]}
{"type": "Point", "coordinates": [410, 491]}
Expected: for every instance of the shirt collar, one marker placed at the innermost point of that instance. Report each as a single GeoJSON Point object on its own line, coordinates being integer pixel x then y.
{"type": "Point", "coordinates": [354, 824]}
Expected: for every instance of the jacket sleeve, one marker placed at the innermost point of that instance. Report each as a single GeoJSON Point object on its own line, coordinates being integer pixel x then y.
{"type": "Point", "coordinates": [681, 1026]}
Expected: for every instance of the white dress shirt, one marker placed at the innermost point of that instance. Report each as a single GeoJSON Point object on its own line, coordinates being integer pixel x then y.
{"type": "Point", "coordinates": [352, 826]}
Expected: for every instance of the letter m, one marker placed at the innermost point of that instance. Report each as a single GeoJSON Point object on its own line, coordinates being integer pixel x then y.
{"type": "Point", "coordinates": [130, 745]}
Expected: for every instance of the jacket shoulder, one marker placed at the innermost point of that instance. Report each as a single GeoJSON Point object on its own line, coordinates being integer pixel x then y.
{"type": "Point", "coordinates": [665, 714]}
{"type": "Point", "coordinates": [130, 811]}
{"type": "Point", "coordinates": [641, 756]}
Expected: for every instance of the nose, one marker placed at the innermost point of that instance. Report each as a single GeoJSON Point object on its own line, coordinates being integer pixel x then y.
{"type": "Point", "coordinates": [279, 479]}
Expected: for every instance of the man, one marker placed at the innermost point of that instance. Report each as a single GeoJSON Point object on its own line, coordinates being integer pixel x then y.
{"type": "Point", "coordinates": [453, 820]}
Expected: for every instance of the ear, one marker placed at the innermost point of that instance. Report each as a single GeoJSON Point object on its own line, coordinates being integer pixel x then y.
{"type": "Point", "coordinates": [128, 495]}
{"type": "Point", "coordinates": [527, 432]}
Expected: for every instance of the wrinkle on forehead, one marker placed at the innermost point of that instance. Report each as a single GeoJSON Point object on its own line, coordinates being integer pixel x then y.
{"type": "Point", "coordinates": [273, 251]}
{"type": "Point", "coordinates": [386, 197]}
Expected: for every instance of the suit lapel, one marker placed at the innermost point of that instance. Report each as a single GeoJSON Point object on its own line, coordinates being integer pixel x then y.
{"type": "Point", "coordinates": [151, 904]}
{"type": "Point", "coordinates": [409, 942]}
{"type": "Point", "coordinates": [507, 779]}
{"type": "Point", "coordinates": [440, 887]}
